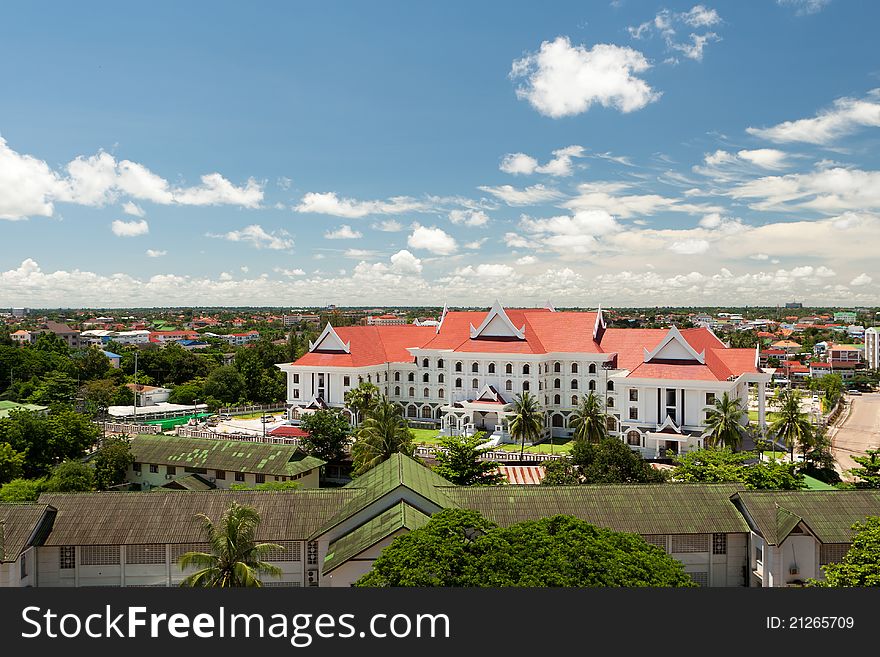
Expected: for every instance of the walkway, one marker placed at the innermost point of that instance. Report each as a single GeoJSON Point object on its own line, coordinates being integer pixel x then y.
{"type": "Point", "coordinates": [859, 431]}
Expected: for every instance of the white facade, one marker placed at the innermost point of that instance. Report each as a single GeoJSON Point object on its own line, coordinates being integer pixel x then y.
{"type": "Point", "coordinates": [872, 347]}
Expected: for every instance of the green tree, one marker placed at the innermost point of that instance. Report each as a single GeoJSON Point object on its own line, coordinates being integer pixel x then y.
{"type": "Point", "coordinates": [187, 393]}
{"type": "Point", "coordinates": [606, 462]}
{"type": "Point", "coordinates": [50, 343]}
{"type": "Point", "coordinates": [560, 472]}
{"type": "Point", "coordinates": [11, 463]}
{"type": "Point", "coordinates": [225, 384]}
{"type": "Point", "coordinates": [791, 426]}
{"type": "Point", "coordinates": [461, 548]}
{"type": "Point", "coordinates": [90, 363]}
{"type": "Point", "coordinates": [329, 434]}
{"type": "Point", "coordinates": [716, 466]}
{"type": "Point", "coordinates": [112, 461]}
{"type": "Point", "coordinates": [458, 461]}
{"type": "Point", "coordinates": [725, 423]}
{"type": "Point", "coordinates": [57, 388]}
{"type": "Point", "coordinates": [22, 490]}
{"type": "Point", "coordinates": [361, 399]}
{"type": "Point", "coordinates": [528, 420]}
{"type": "Point", "coordinates": [589, 420]}
{"type": "Point", "coordinates": [48, 439]}
{"type": "Point", "coordinates": [99, 392]}
{"type": "Point", "coordinates": [383, 432]}
{"type": "Point", "coordinates": [235, 559]}
{"type": "Point", "coordinates": [869, 473]}
{"type": "Point", "coordinates": [861, 564]}
{"type": "Point", "coordinates": [71, 477]}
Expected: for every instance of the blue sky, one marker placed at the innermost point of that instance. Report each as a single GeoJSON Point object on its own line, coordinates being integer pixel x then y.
{"type": "Point", "coordinates": [622, 153]}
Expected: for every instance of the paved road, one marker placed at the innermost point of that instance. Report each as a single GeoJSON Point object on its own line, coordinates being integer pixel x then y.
{"type": "Point", "coordinates": [859, 432]}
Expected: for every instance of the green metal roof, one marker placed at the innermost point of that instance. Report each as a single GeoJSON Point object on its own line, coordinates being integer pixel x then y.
{"type": "Point", "coordinates": [189, 482]}
{"type": "Point", "coordinates": [399, 470]}
{"type": "Point", "coordinates": [400, 516]}
{"type": "Point", "coordinates": [636, 508]}
{"type": "Point", "coordinates": [829, 515]}
{"type": "Point", "coordinates": [7, 406]}
{"type": "Point", "coordinates": [232, 455]}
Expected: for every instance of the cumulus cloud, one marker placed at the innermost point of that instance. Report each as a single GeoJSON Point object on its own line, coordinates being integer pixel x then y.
{"type": "Point", "coordinates": [259, 238]}
{"type": "Point", "coordinates": [404, 262]}
{"type": "Point", "coordinates": [860, 280]}
{"type": "Point", "coordinates": [388, 226]}
{"type": "Point", "coordinates": [823, 190]}
{"type": "Point", "coordinates": [290, 273]}
{"type": "Point", "coordinates": [564, 80]}
{"type": "Point", "coordinates": [154, 253]}
{"type": "Point", "coordinates": [608, 197]}
{"type": "Point", "coordinates": [526, 260]}
{"type": "Point", "coordinates": [344, 232]}
{"type": "Point", "coordinates": [133, 209]}
{"type": "Point", "coordinates": [432, 239]}
{"type": "Point", "coordinates": [689, 247]}
{"type": "Point", "coordinates": [844, 117]}
{"type": "Point", "coordinates": [560, 165]}
{"type": "Point", "coordinates": [330, 203]}
{"type": "Point", "coordinates": [526, 196]}
{"type": "Point", "coordinates": [475, 244]}
{"type": "Point", "coordinates": [469, 217]}
{"type": "Point", "coordinates": [129, 228]}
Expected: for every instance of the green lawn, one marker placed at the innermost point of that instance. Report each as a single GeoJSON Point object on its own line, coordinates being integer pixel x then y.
{"type": "Point", "coordinates": [560, 446]}
{"type": "Point", "coordinates": [815, 484]}
{"type": "Point", "coordinates": [771, 415]}
{"type": "Point", "coordinates": [426, 436]}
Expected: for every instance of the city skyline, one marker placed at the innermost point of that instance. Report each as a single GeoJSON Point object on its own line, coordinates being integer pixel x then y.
{"type": "Point", "coordinates": [620, 154]}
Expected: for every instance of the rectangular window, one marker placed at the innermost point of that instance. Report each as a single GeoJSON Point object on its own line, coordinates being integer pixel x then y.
{"type": "Point", "coordinates": [292, 551]}
{"type": "Point", "coordinates": [296, 378]}
{"type": "Point", "coordinates": [633, 394]}
{"type": "Point", "coordinates": [701, 578]}
{"type": "Point", "coordinates": [220, 474]}
{"type": "Point", "coordinates": [99, 555]}
{"type": "Point", "coordinates": [24, 566]}
{"type": "Point", "coordinates": [171, 469]}
{"type": "Point", "coordinates": [346, 381]}
{"type": "Point", "coordinates": [136, 467]}
{"type": "Point", "coordinates": [759, 554]}
{"type": "Point", "coordinates": [710, 398]}
{"type": "Point", "coordinates": [67, 557]}
{"type": "Point", "coordinates": [656, 539]}
{"type": "Point", "coordinates": [260, 478]}
{"type": "Point", "coordinates": [719, 543]}
{"type": "Point", "coordinates": [633, 413]}
{"type": "Point", "coordinates": [832, 552]}
{"type": "Point", "coordinates": [670, 397]}
{"type": "Point", "coordinates": [239, 476]}
{"type": "Point", "coordinates": [154, 468]}
{"type": "Point", "coordinates": [296, 393]}
{"type": "Point", "coordinates": [145, 554]}
{"type": "Point", "coordinates": [689, 543]}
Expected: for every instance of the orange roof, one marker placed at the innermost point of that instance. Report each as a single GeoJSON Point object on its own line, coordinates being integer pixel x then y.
{"type": "Point", "coordinates": [372, 345]}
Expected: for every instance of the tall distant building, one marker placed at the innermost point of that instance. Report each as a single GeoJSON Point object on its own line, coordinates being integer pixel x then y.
{"type": "Point", "coordinates": [872, 347]}
{"type": "Point", "coordinates": [20, 312]}
{"type": "Point", "coordinates": [794, 304]}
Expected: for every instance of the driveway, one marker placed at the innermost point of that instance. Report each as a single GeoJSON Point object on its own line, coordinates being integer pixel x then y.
{"type": "Point", "coordinates": [860, 431]}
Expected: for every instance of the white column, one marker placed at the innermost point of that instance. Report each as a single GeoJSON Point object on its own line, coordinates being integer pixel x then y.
{"type": "Point", "coordinates": [762, 392]}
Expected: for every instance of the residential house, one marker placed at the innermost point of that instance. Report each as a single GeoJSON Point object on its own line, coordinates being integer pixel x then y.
{"type": "Point", "coordinates": [114, 359]}
{"type": "Point", "coordinates": [149, 395]}
{"type": "Point", "coordinates": [22, 337]}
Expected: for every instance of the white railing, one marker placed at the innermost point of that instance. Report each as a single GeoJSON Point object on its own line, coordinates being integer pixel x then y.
{"type": "Point", "coordinates": [187, 432]}
{"type": "Point", "coordinates": [127, 428]}
{"type": "Point", "coordinates": [495, 455]}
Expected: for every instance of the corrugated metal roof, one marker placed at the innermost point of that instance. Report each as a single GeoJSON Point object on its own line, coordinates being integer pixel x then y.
{"type": "Point", "coordinates": [637, 508]}
{"type": "Point", "coordinates": [18, 522]}
{"type": "Point", "coordinates": [400, 516]}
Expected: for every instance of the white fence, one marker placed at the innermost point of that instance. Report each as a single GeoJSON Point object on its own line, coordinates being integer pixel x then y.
{"type": "Point", "coordinates": [497, 455]}
{"type": "Point", "coordinates": [188, 432]}
{"type": "Point", "coordinates": [130, 429]}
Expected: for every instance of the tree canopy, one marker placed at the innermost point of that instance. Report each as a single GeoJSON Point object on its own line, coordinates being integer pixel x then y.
{"type": "Point", "coordinates": [861, 564]}
{"type": "Point", "coordinates": [112, 461]}
{"type": "Point", "coordinates": [458, 461]}
{"type": "Point", "coordinates": [329, 434]}
{"type": "Point", "coordinates": [721, 465]}
{"type": "Point", "coordinates": [461, 548]}
{"type": "Point", "coordinates": [608, 462]}
{"type": "Point", "coordinates": [384, 432]}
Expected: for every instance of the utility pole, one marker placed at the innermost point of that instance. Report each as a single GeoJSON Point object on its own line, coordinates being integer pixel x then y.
{"type": "Point", "coordinates": [135, 386]}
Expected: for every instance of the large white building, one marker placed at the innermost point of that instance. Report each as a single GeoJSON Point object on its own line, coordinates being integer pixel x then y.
{"type": "Point", "coordinates": [463, 374]}
{"type": "Point", "coordinates": [872, 347]}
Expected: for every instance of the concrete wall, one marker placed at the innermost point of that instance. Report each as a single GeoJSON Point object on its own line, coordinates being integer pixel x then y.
{"type": "Point", "coordinates": [349, 572]}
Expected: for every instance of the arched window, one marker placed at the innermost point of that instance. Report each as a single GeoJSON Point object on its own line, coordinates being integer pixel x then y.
{"type": "Point", "coordinates": [557, 400]}
{"type": "Point", "coordinates": [557, 383]}
{"type": "Point", "coordinates": [475, 384]}
{"type": "Point", "coordinates": [411, 411]}
{"type": "Point", "coordinates": [592, 368]}
{"type": "Point", "coordinates": [427, 393]}
{"type": "Point", "coordinates": [491, 368]}
{"type": "Point", "coordinates": [508, 385]}
{"type": "Point", "coordinates": [412, 392]}
{"type": "Point", "coordinates": [424, 362]}
{"type": "Point", "coordinates": [610, 403]}
{"type": "Point", "coordinates": [440, 378]}
{"type": "Point", "coordinates": [526, 368]}
{"type": "Point", "coordinates": [475, 367]}
{"type": "Point", "coordinates": [557, 366]}
{"type": "Point", "coordinates": [411, 377]}
{"type": "Point", "coordinates": [440, 363]}
{"type": "Point", "coordinates": [458, 383]}
{"type": "Point", "coordinates": [369, 378]}
{"type": "Point", "coordinates": [611, 385]}
{"type": "Point", "coordinates": [634, 438]}
{"type": "Point", "coordinates": [574, 368]}
{"type": "Point", "coordinates": [426, 378]}
{"type": "Point", "coordinates": [426, 412]}
{"type": "Point", "coordinates": [397, 376]}
{"type": "Point", "coordinates": [574, 384]}
{"type": "Point", "coordinates": [386, 376]}
{"type": "Point", "coordinates": [546, 400]}
{"type": "Point", "coordinates": [558, 421]}
{"type": "Point", "coordinates": [525, 386]}
{"type": "Point", "coordinates": [458, 366]}
{"type": "Point", "coordinates": [540, 385]}
{"type": "Point", "coordinates": [397, 391]}
{"type": "Point", "coordinates": [440, 393]}
{"type": "Point", "coordinates": [508, 369]}
{"type": "Point", "coordinates": [591, 385]}
{"type": "Point", "coordinates": [574, 400]}
{"type": "Point", "coordinates": [611, 423]}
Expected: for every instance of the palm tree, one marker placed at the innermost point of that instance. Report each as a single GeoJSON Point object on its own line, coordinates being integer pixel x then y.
{"type": "Point", "coordinates": [383, 432]}
{"type": "Point", "coordinates": [361, 399]}
{"type": "Point", "coordinates": [791, 425]}
{"type": "Point", "coordinates": [528, 420]}
{"type": "Point", "coordinates": [235, 559]}
{"type": "Point", "coordinates": [724, 422]}
{"type": "Point", "coordinates": [589, 420]}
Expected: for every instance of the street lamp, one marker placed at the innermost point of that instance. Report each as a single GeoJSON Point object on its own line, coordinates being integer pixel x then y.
{"type": "Point", "coordinates": [103, 411]}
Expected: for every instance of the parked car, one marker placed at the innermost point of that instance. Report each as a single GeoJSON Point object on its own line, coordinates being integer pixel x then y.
{"type": "Point", "coordinates": [855, 392]}
{"type": "Point", "coordinates": [267, 418]}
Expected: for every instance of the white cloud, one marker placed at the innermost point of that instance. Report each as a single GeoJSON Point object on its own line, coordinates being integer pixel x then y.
{"type": "Point", "coordinates": [605, 196]}
{"type": "Point", "coordinates": [404, 262]}
{"type": "Point", "coordinates": [526, 196]}
{"type": "Point", "coordinates": [694, 49]}
{"type": "Point", "coordinates": [27, 185]}
{"type": "Point", "coordinates": [344, 232]}
{"type": "Point", "coordinates": [700, 16]}
{"type": "Point", "coordinates": [130, 228]}
{"type": "Point", "coordinates": [360, 253]}
{"type": "Point", "coordinates": [759, 256]}
{"type": "Point", "coordinates": [216, 190]}
{"type": "Point", "coordinates": [515, 241]}
{"type": "Point", "coordinates": [560, 165]}
{"type": "Point", "coordinates": [526, 260]}
{"type": "Point", "coordinates": [153, 253]}
{"type": "Point", "coordinates": [844, 117]}
{"type": "Point", "coordinates": [860, 280]}
{"type": "Point", "coordinates": [388, 226]}
{"type": "Point", "coordinates": [712, 220]}
{"type": "Point", "coordinates": [432, 239]}
{"type": "Point", "coordinates": [823, 190]}
{"type": "Point", "coordinates": [564, 80]}
{"type": "Point", "coordinates": [476, 244]}
{"type": "Point", "coordinates": [805, 7]}
{"type": "Point", "coordinates": [824, 272]}
{"type": "Point", "coordinates": [258, 237]}
{"type": "Point", "coordinates": [244, 269]}
{"type": "Point", "coordinates": [690, 247]}
{"type": "Point", "coordinates": [486, 270]}
{"type": "Point", "coordinates": [284, 182]}
{"type": "Point", "coordinates": [469, 217]}
{"type": "Point", "coordinates": [330, 203]}
{"type": "Point", "coordinates": [666, 23]}
{"type": "Point", "coordinates": [133, 209]}
{"type": "Point", "coordinates": [291, 273]}
{"type": "Point", "coordinates": [766, 158]}
{"type": "Point", "coordinates": [518, 163]}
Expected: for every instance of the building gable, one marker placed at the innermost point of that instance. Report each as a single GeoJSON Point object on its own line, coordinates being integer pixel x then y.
{"type": "Point", "coordinates": [497, 325]}
{"type": "Point", "coordinates": [329, 341]}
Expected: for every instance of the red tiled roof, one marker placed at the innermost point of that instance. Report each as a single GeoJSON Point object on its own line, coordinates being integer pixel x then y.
{"type": "Point", "coordinates": [372, 345]}
{"type": "Point", "coordinates": [287, 431]}
{"type": "Point", "coordinates": [522, 474]}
